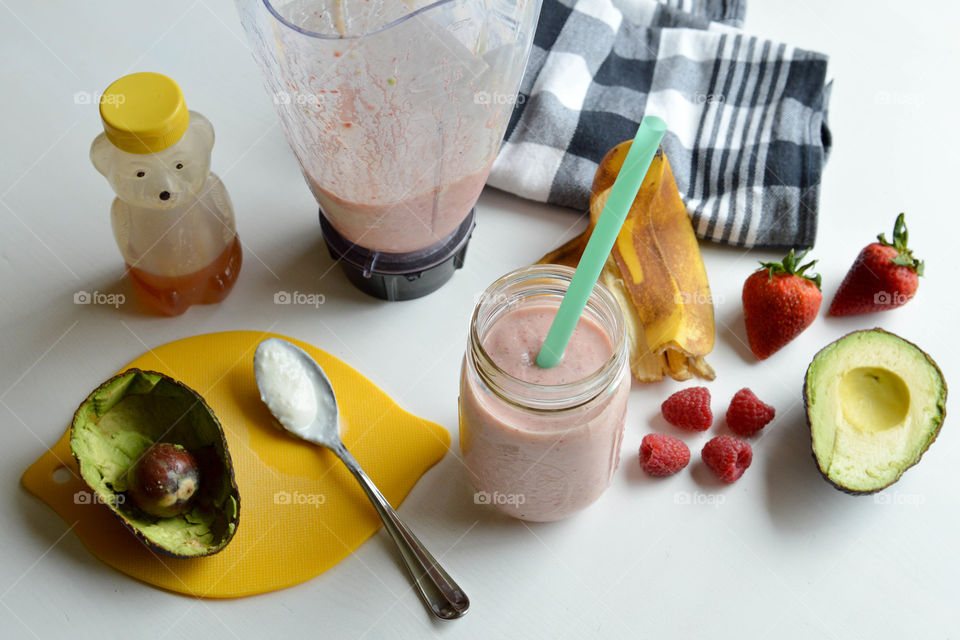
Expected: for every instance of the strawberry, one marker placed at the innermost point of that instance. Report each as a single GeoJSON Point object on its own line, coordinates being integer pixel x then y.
{"type": "Point", "coordinates": [884, 276]}
{"type": "Point", "coordinates": [779, 302]}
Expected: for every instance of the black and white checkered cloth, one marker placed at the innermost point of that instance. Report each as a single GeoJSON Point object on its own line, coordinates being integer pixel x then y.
{"type": "Point", "coordinates": [747, 134]}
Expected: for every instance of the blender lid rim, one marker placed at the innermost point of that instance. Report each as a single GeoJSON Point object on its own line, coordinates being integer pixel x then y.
{"type": "Point", "coordinates": [323, 36]}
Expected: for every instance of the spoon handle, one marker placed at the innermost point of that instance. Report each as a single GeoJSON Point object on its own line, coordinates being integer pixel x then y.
{"type": "Point", "coordinates": [442, 595]}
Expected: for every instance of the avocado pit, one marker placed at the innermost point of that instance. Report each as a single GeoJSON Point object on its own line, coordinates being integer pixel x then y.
{"type": "Point", "coordinates": [163, 481]}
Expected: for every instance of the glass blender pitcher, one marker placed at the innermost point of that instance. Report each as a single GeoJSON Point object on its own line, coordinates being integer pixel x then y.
{"type": "Point", "coordinates": [395, 110]}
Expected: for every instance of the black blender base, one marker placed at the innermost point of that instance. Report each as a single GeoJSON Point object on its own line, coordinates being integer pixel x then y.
{"type": "Point", "coordinates": [404, 287]}
{"type": "Point", "coordinates": [400, 276]}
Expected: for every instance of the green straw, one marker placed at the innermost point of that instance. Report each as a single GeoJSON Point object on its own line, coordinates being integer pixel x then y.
{"type": "Point", "coordinates": [622, 195]}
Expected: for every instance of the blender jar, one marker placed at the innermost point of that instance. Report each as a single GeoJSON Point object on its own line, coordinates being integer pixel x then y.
{"type": "Point", "coordinates": [395, 111]}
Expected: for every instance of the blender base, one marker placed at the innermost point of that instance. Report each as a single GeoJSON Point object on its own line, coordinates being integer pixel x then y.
{"type": "Point", "coordinates": [400, 276]}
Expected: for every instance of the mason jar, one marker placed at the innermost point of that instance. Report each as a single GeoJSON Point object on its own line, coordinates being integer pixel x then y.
{"type": "Point", "coordinates": [540, 450]}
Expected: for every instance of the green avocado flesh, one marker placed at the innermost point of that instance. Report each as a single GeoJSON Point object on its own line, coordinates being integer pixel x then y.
{"type": "Point", "coordinates": [124, 417]}
{"type": "Point", "coordinates": [875, 402]}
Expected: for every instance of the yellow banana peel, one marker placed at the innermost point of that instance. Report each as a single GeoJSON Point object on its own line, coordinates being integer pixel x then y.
{"type": "Point", "coordinates": [656, 273]}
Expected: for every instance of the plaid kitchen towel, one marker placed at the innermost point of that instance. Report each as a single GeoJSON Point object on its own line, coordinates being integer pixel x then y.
{"type": "Point", "coordinates": [747, 134]}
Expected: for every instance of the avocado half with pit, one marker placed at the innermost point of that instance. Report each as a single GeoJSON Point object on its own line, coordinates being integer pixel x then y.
{"type": "Point", "coordinates": [874, 404]}
{"type": "Point", "coordinates": [120, 421]}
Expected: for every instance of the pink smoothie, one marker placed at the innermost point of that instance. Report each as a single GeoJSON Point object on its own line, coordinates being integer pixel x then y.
{"type": "Point", "coordinates": [424, 216]}
{"type": "Point", "coordinates": [399, 159]}
{"type": "Point", "coordinates": [542, 465]}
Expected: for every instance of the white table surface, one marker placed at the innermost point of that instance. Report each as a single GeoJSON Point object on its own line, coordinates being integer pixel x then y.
{"type": "Point", "coordinates": [779, 554]}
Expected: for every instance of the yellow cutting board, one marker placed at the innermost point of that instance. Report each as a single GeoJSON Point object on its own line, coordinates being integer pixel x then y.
{"type": "Point", "coordinates": [301, 511]}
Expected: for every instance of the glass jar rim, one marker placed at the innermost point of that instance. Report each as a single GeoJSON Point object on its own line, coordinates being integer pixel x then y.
{"type": "Point", "coordinates": [550, 397]}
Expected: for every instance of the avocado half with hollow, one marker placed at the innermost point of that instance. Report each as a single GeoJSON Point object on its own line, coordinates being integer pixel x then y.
{"type": "Point", "coordinates": [874, 404]}
{"type": "Point", "coordinates": [120, 421]}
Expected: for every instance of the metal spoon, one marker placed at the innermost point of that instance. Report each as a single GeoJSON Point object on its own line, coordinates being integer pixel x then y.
{"type": "Point", "coordinates": [444, 597]}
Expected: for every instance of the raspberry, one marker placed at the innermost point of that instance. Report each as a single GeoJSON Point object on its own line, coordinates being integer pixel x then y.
{"type": "Point", "coordinates": [727, 457]}
{"type": "Point", "coordinates": [747, 414]}
{"type": "Point", "coordinates": [663, 455]}
{"type": "Point", "coordinates": [689, 409]}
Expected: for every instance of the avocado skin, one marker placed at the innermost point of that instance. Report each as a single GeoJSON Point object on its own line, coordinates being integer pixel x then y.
{"type": "Point", "coordinates": [806, 413]}
{"type": "Point", "coordinates": [227, 462]}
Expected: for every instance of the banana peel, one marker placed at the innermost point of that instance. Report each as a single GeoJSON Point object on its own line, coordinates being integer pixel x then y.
{"type": "Point", "coordinates": [655, 272]}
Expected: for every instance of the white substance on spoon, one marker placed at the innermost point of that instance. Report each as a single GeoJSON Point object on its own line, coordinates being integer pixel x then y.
{"type": "Point", "coordinates": [286, 386]}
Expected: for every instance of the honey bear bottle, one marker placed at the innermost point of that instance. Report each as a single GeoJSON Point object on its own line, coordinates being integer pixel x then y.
{"type": "Point", "coordinates": [172, 217]}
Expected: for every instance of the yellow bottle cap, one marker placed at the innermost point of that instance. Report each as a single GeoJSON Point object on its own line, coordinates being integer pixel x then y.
{"type": "Point", "coordinates": [144, 112]}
